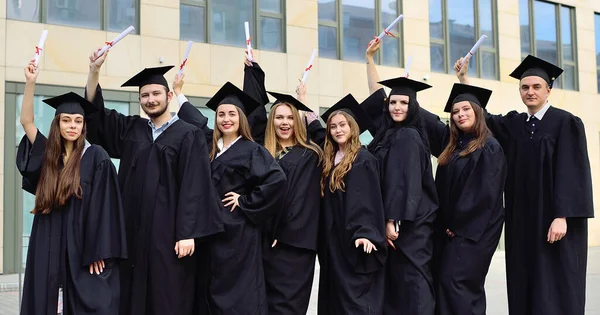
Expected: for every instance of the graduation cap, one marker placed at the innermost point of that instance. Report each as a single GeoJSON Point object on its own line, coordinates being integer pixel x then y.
{"type": "Point", "coordinates": [231, 94]}
{"type": "Point", "coordinates": [463, 92]}
{"type": "Point", "coordinates": [286, 98]}
{"type": "Point", "coordinates": [71, 103]}
{"type": "Point", "coordinates": [349, 105]}
{"type": "Point", "coordinates": [533, 66]}
{"type": "Point", "coordinates": [405, 86]}
{"type": "Point", "coordinates": [147, 76]}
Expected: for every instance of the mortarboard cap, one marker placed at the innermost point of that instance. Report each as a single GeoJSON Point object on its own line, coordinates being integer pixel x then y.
{"type": "Point", "coordinates": [405, 86]}
{"type": "Point", "coordinates": [464, 92]}
{"type": "Point", "coordinates": [286, 98]}
{"type": "Point", "coordinates": [352, 107]}
{"type": "Point", "coordinates": [533, 66]}
{"type": "Point", "coordinates": [147, 76]}
{"type": "Point", "coordinates": [231, 94]}
{"type": "Point", "coordinates": [71, 103]}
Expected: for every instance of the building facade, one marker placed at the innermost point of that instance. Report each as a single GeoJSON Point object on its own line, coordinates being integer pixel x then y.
{"type": "Point", "coordinates": [432, 36]}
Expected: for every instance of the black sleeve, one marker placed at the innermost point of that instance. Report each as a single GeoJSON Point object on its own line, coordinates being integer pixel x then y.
{"type": "Point", "coordinates": [573, 195]}
{"type": "Point", "coordinates": [498, 126]}
{"type": "Point", "coordinates": [190, 114]}
{"type": "Point", "coordinates": [317, 133]}
{"type": "Point", "coordinates": [376, 105]}
{"type": "Point", "coordinates": [30, 158]}
{"type": "Point", "coordinates": [265, 198]}
{"type": "Point", "coordinates": [107, 128]}
{"type": "Point", "coordinates": [254, 85]}
{"type": "Point", "coordinates": [198, 204]}
{"type": "Point", "coordinates": [437, 132]}
{"type": "Point", "coordinates": [103, 221]}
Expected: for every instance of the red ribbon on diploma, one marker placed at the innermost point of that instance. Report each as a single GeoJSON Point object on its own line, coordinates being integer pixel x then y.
{"type": "Point", "coordinates": [182, 64]}
{"type": "Point", "coordinates": [389, 33]}
{"type": "Point", "coordinates": [109, 43]}
{"type": "Point", "coordinates": [248, 40]}
{"type": "Point", "coordinates": [37, 50]}
{"type": "Point", "coordinates": [309, 67]}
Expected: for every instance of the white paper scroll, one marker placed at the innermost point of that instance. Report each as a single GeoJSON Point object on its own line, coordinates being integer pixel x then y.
{"type": "Point", "coordinates": [474, 49]}
{"type": "Point", "coordinates": [116, 40]}
{"type": "Point", "coordinates": [40, 47]}
{"type": "Point", "coordinates": [388, 29]}
{"type": "Point", "coordinates": [248, 43]}
{"type": "Point", "coordinates": [309, 66]}
{"type": "Point", "coordinates": [185, 57]}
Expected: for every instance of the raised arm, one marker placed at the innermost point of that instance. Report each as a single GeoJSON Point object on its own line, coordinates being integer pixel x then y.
{"type": "Point", "coordinates": [372, 75]}
{"type": "Point", "coordinates": [94, 74]}
{"type": "Point", "coordinates": [254, 85]}
{"type": "Point", "coordinates": [26, 118]}
{"type": "Point", "coordinates": [188, 112]}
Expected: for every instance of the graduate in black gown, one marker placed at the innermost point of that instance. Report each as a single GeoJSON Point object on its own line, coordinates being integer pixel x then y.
{"type": "Point", "coordinates": [470, 181]}
{"type": "Point", "coordinates": [168, 197]}
{"type": "Point", "coordinates": [410, 200]}
{"type": "Point", "coordinates": [252, 185]}
{"type": "Point", "coordinates": [548, 197]}
{"type": "Point", "coordinates": [352, 247]}
{"type": "Point", "coordinates": [78, 232]}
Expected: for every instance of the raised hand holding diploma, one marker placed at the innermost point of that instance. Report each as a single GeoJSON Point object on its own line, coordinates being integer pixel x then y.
{"type": "Point", "coordinates": [115, 40]}
{"type": "Point", "coordinates": [474, 49]}
{"type": "Point", "coordinates": [388, 30]}
{"type": "Point", "coordinates": [39, 48]}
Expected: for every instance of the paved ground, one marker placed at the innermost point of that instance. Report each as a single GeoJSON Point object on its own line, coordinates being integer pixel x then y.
{"type": "Point", "coordinates": [495, 286]}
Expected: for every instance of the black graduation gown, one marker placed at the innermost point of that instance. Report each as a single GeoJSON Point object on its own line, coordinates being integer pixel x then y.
{"type": "Point", "coordinates": [66, 241]}
{"type": "Point", "coordinates": [409, 196]}
{"type": "Point", "coordinates": [237, 285]}
{"type": "Point", "coordinates": [289, 266]}
{"type": "Point", "coordinates": [351, 281]}
{"type": "Point", "coordinates": [470, 191]}
{"type": "Point", "coordinates": [548, 177]}
{"type": "Point", "coordinates": [167, 197]}
{"type": "Point", "coordinates": [254, 85]}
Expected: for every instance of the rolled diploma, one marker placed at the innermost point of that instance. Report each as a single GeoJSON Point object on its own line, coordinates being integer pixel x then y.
{"type": "Point", "coordinates": [185, 57]}
{"type": "Point", "coordinates": [248, 44]}
{"type": "Point", "coordinates": [474, 49]}
{"type": "Point", "coordinates": [390, 27]}
{"type": "Point", "coordinates": [309, 66]}
{"type": "Point", "coordinates": [116, 40]}
{"type": "Point", "coordinates": [40, 47]}
{"type": "Point", "coordinates": [406, 70]}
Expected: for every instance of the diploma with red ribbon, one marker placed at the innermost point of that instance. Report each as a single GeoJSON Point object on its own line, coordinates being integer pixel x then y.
{"type": "Point", "coordinates": [40, 47]}
{"type": "Point", "coordinates": [474, 49]}
{"type": "Point", "coordinates": [309, 66]}
{"type": "Point", "coordinates": [388, 30]}
{"type": "Point", "coordinates": [248, 38]}
{"type": "Point", "coordinates": [116, 40]}
{"type": "Point", "coordinates": [407, 68]}
{"type": "Point", "coordinates": [185, 57]}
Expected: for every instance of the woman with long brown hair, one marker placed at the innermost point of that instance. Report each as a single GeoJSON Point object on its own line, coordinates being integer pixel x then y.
{"type": "Point", "coordinates": [78, 229]}
{"type": "Point", "coordinates": [352, 248]}
{"type": "Point", "coordinates": [249, 180]}
{"type": "Point", "coordinates": [470, 179]}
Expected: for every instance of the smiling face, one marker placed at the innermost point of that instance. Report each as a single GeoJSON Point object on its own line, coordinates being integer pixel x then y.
{"type": "Point", "coordinates": [154, 99]}
{"type": "Point", "coordinates": [398, 107]}
{"type": "Point", "coordinates": [463, 116]}
{"type": "Point", "coordinates": [534, 91]}
{"type": "Point", "coordinates": [339, 129]}
{"type": "Point", "coordinates": [228, 119]}
{"type": "Point", "coordinates": [71, 126]}
{"type": "Point", "coordinates": [284, 123]}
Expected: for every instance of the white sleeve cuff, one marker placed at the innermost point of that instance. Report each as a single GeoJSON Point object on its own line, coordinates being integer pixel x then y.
{"type": "Point", "coordinates": [181, 99]}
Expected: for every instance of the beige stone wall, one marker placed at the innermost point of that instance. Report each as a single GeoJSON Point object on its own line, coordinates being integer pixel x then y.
{"type": "Point", "coordinates": [64, 62]}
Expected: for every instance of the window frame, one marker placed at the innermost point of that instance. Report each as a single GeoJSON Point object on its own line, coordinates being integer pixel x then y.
{"type": "Point", "coordinates": [13, 219]}
{"type": "Point", "coordinates": [561, 61]}
{"type": "Point", "coordinates": [445, 42]}
{"type": "Point", "coordinates": [597, 52]}
{"type": "Point", "coordinates": [340, 32]}
{"type": "Point", "coordinates": [256, 16]}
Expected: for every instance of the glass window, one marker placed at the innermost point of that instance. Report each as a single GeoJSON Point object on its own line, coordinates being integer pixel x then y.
{"type": "Point", "coordinates": [270, 34]}
{"type": "Point", "coordinates": [461, 29]}
{"type": "Point", "coordinates": [273, 6]}
{"type": "Point", "coordinates": [597, 37]}
{"type": "Point", "coordinates": [545, 31]}
{"type": "Point", "coordinates": [228, 17]}
{"type": "Point", "coordinates": [192, 22]}
{"type": "Point", "coordinates": [25, 10]}
{"type": "Point", "coordinates": [327, 42]}
{"type": "Point", "coordinates": [436, 27]}
{"type": "Point", "coordinates": [327, 10]}
{"type": "Point", "coordinates": [359, 27]}
{"type": "Point", "coordinates": [488, 65]}
{"type": "Point", "coordinates": [121, 14]}
{"type": "Point", "coordinates": [524, 26]}
{"type": "Point", "coordinates": [390, 49]}
{"type": "Point", "coordinates": [80, 13]}
{"type": "Point", "coordinates": [486, 23]}
{"type": "Point", "coordinates": [437, 58]}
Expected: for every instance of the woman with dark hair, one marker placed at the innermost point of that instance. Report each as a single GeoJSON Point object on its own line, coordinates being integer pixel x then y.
{"type": "Point", "coordinates": [470, 178]}
{"type": "Point", "coordinates": [78, 229]}
{"type": "Point", "coordinates": [409, 199]}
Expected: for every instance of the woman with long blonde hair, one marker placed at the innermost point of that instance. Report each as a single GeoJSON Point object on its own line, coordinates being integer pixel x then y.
{"type": "Point", "coordinates": [78, 233]}
{"type": "Point", "coordinates": [352, 248]}
{"type": "Point", "coordinates": [470, 179]}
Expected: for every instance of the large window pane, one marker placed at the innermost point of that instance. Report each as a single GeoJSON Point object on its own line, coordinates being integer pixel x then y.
{"type": "Point", "coordinates": [327, 42]}
{"type": "Point", "coordinates": [390, 47]}
{"type": "Point", "coordinates": [437, 58]}
{"type": "Point", "coordinates": [488, 65]}
{"type": "Point", "coordinates": [270, 6]}
{"type": "Point", "coordinates": [486, 22]}
{"type": "Point", "coordinates": [80, 13]}
{"type": "Point", "coordinates": [597, 35]}
{"type": "Point", "coordinates": [327, 10]}
{"type": "Point", "coordinates": [228, 17]}
{"type": "Point", "coordinates": [359, 27]}
{"type": "Point", "coordinates": [121, 14]}
{"type": "Point", "coordinates": [192, 21]}
{"type": "Point", "coordinates": [524, 25]}
{"type": "Point", "coordinates": [461, 29]}
{"type": "Point", "coordinates": [545, 31]}
{"type": "Point", "coordinates": [436, 29]}
{"type": "Point", "coordinates": [25, 10]}
{"type": "Point", "coordinates": [598, 79]}
{"type": "Point", "coordinates": [565, 33]}
{"type": "Point", "coordinates": [567, 79]}
{"type": "Point", "coordinates": [270, 34]}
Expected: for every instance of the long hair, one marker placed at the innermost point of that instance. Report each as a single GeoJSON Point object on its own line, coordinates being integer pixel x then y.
{"type": "Point", "coordinates": [243, 130]}
{"type": "Point", "coordinates": [353, 147]}
{"type": "Point", "coordinates": [479, 130]}
{"type": "Point", "coordinates": [298, 138]}
{"type": "Point", "coordinates": [413, 120]}
{"type": "Point", "coordinates": [56, 185]}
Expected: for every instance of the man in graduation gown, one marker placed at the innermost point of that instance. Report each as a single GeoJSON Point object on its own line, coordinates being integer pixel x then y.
{"type": "Point", "coordinates": [168, 196]}
{"type": "Point", "coordinates": [548, 197]}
